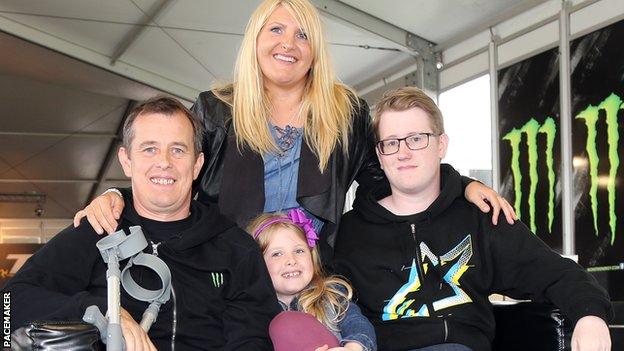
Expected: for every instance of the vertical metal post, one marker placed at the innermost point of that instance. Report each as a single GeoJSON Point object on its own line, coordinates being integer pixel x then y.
{"type": "Point", "coordinates": [493, 63]}
{"type": "Point", "coordinates": [565, 121]}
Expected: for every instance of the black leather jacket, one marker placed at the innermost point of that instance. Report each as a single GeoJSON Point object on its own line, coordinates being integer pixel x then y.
{"type": "Point", "coordinates": [235, 179]}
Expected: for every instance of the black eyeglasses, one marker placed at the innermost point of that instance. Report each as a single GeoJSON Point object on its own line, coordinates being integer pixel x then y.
{"type": "Point", "coordinates": [414, 142]}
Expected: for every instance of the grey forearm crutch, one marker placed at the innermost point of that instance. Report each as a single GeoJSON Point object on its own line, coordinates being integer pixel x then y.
{"type": "Point", "coordinates": [114, 248]}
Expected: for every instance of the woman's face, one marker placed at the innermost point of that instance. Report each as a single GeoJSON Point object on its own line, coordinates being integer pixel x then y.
{"type": "Point", "coordinates": [283, 51]}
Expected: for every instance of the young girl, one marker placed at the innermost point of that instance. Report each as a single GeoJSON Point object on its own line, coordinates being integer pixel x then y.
{"type": "Point", "coordinates": [288, 243]}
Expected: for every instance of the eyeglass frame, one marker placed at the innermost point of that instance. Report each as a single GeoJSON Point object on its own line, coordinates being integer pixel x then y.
{"type": "Point", "coordinates": [399, 140]}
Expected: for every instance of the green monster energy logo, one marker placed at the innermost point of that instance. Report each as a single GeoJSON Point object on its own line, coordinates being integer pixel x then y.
{"type": "Point", "coordinates": [611, 105]}
{"type": "Point", "coordinates": [217, 279]}
{"type": "Point", "coordinates": [531, 130]}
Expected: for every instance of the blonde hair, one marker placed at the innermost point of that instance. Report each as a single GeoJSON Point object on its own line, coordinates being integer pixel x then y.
{"type": "Point", "coordinates": [407, 98]}
{"type": "Point", "coordinates": [327, 103]}
{"type": "Point", "coordinates": [324, 293]}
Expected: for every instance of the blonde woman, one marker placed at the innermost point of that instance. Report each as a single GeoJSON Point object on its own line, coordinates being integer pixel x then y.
{"type": "Point", "coordinates": [285, 134]}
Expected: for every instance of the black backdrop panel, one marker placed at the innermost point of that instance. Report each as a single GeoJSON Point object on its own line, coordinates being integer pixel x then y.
{"type": "Point", "coordinates": [597, 64]}
{"type": "Point", "coordinates": [529, 146]}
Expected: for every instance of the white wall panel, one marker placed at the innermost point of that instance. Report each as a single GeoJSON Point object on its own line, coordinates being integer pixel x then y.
{"type": "Point", "coordinates": [464, 71]}
{"type": "Point", "coordinates": [596, 16]}
{"type": "Point", "coordinates": [586, 19]}
{"type": "Point", "coordinates": [529, 44]}
{"type": "Point", "coordinates": [466, 47]}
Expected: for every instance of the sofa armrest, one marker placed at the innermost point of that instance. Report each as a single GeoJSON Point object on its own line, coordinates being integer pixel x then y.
{"type": "Point", "coordinates": [56, 335]}
{"type": "Point", "coordinates": [530, 326]}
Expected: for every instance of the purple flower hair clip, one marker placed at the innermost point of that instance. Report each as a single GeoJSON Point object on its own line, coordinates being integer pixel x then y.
{"type": "Point", "coordinates": [297, 217]}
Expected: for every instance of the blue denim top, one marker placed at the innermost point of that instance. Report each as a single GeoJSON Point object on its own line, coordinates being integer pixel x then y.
{"type": "Point", "coordinates": [281, 172]}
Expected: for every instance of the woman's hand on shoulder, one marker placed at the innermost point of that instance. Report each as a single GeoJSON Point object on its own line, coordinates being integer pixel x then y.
{"type": "Point", "coordinates": [102, 213]}
{"type": "Point", "coordinates": [485, 198]}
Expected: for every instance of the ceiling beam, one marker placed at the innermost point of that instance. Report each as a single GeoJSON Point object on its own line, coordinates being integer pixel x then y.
{"type": "Point", "coordinates": [41, 37]}
{"type": "Point", "coordinates": [511, 12]}
{"type": "Point", "coordinates": [131, 37]}
{"type": "Point", "coordinates": [60, 135]}
{"type": "Point", "coordinates": [405, 41]}
{"type": "Point", "coordinates": [110, 155]}
{"type": "Point", "coordinates": [57, 181]}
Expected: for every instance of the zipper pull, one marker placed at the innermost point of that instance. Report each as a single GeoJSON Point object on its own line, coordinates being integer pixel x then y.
{"type": "Point", "coordinates": [154, 248]}
{"type": "Point", "coordinates": [413, 226]}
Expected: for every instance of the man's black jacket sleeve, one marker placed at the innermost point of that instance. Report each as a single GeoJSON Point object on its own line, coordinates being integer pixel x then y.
{"type": "Point", "coordinates": [54, 283]}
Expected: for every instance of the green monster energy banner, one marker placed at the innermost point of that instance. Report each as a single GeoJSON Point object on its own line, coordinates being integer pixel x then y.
{"type": "Point", "coordinates": [529, 145]}
{"type": "Point", "coordinates": [591, 115]}
{"type": "Point", "coordinates": [530, 148]}
{"type": "Point", "coordinates": [530, 129]}
{"type": "Point", "coordinates": [597, 66]}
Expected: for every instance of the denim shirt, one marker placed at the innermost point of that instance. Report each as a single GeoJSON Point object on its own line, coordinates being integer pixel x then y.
{"type": "Point", "coordinates": [281, 174]}
{"type": "Point", "coordinates": [353, 327]}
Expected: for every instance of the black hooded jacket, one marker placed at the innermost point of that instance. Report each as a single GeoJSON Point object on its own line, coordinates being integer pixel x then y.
{"type": "Point", "coordinates": [223, 296]}
{"type": "Point", "coordinates": [424, 279]}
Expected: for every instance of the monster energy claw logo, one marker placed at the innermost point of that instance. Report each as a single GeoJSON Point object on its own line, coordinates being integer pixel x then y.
{"type": "Point", "coordinates": [531, 129]}
{"type": "Point", "coordinates": [611, 105]}
{"type": "Point", "coordinates": [217, 279]}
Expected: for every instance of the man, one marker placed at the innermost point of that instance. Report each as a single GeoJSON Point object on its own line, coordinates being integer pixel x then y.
{"type": "Point", "coordinates": [423, 260]}
{"type": "Point", "coordinates": [222, 297]}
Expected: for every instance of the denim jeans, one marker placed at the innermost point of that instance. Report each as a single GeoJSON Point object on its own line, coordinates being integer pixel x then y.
{"type": "Point", "coordinates": [445, 347]}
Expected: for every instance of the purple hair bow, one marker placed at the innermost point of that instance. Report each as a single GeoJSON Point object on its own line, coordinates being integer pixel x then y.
{"type": "Point", "coordinates": [297, 217]}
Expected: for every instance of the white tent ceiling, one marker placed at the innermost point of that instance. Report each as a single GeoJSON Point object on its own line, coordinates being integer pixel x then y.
{"type": "Point", "coordinates": [69, 69]}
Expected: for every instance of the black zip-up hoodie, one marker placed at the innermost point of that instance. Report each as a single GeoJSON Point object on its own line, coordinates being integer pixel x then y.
{"type": "Point", "coordinates": [424, 279]}
{"type": "Point", "coordinates": [224, 299]}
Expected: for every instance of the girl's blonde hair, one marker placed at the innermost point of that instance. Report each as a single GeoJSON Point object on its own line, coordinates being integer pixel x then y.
{"type": "Point", "coordinates": [326, 297]}
{"type": "Point", "coordinates": [327, 104]}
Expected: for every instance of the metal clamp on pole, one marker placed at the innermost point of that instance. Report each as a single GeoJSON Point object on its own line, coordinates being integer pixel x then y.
{"type": "Point", "coordinates": [115, 248]}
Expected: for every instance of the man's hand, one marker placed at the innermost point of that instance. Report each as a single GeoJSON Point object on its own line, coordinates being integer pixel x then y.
{"type": "Point", "coordinates": [136, 338]}
{"type": "Point", "coordinates": [477, 193]}
{"type": "Point", "coordinates": [591, 334]}
{"type": "Point", "coordinates": [102, 213]}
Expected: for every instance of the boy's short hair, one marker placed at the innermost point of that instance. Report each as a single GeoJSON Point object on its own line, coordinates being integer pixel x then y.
{"type": "Point", "coordinates": [406, 98]}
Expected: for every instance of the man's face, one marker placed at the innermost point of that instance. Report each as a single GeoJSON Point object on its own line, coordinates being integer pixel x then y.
{"type": "Point", "coordinates": [411, 172]}
{"type": "Point", "coordinates": [162, 165]}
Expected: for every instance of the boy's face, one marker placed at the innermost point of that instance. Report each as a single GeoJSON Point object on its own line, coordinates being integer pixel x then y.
{"type": "Point", "coordinates": [411, 172]}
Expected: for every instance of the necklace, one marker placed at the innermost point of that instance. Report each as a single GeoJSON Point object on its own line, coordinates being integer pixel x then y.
{"type": "Point", "coordinates": [286, 139]}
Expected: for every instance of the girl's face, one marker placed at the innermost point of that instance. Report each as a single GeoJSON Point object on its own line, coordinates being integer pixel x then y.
{"type": "Point", "coordinates": [283, 51]}
{"type": "Point", "coordinates": [289, 261]}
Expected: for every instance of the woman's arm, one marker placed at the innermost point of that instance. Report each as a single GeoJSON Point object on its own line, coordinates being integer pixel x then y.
{"type": "Point", "coordinates": [104, 211]}
{"type": "Point", "coordinates": [485, 198]}
{"type": "Point", "coordinates": [357, 329]}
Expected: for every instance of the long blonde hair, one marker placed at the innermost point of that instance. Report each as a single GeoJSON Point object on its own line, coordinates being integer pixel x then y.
{"type": "Point", "coordinates": [326, 297]}
{"type": "Point", "coordinates": [327, 103]}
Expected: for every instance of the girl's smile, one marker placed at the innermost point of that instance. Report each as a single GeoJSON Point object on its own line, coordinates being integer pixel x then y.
{"type": "Point", "coordinates": [289, 261]}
